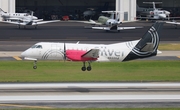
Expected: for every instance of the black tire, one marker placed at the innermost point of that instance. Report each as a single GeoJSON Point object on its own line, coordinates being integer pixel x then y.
{"type": "Point", "coordinates": [83, 68]}
{"type": "Point", "coordinates": [89, 68]}
{"type": "Point", "coordinates": [34, 67]}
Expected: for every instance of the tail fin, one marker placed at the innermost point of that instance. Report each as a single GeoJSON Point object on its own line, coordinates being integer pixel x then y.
{"type": "Point", "coordinates": [1, 11]}
{"type": "Point", "coordinates": [148, 44]}
{"type": "Point", "coordinates": [154, 4]}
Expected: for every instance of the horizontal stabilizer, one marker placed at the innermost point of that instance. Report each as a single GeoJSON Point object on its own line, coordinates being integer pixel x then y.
{"type": "Point", "coordinates": [93, 53]}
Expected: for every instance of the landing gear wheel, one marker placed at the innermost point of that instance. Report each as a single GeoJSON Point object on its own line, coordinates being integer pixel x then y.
{"type": "Point", "coordinates": [34, 67]}
{"type": "Point", "coordinates": [83, 68]}
{"type": "Point", "coordinates": [89, 68]}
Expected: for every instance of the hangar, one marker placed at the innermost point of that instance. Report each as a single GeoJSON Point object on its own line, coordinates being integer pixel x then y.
{"type": "Point", "coordinates": [55, 9]}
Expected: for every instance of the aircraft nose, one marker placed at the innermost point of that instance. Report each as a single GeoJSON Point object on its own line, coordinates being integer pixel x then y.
{"type": "Point", "coordinates": [162, 16]}
{"type": "Point", "coordinates": [23, 54]}
{"type": "Point", "coordinates": [35, 17]}
{"type": "Point", "coordinates": [167, 12]}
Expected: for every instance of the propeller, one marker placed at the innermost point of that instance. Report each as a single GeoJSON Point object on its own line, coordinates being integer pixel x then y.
{"type": "Point", "coordinates": [64, 51]}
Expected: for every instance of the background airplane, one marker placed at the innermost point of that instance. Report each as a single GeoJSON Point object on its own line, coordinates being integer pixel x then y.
{"type": "Point", "coordinates": [145, 47]}
{"type": "Point", "coordinates": [141, 11]}
{"type": "Point", "coordinates": [22, 19]}
{"type": "Point", "coordinates": [16, 16]}
{"type": "Point", "coordinates": [156, 14]}
{"type": "Point", "coordinates": [109, 23]}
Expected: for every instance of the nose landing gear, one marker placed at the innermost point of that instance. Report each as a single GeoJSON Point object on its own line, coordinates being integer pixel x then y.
{"type": "Point", "coordinates": [35, 65]}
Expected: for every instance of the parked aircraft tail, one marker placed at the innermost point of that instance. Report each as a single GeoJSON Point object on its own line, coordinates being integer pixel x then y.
{"type": "Point", "coordinates": [154, 4]}
{"type": "Point", "coordinates": [148, 44]}
{"type": "Point", "coordinates": [2, 11]}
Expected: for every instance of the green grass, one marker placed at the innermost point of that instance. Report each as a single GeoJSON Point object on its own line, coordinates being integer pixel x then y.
{"type": "Point", "coordinates": [54, 71]}
{"type": "Point", "coordinates": [107, 109]}
{"type": "Point", "coordinates": [169, 46]}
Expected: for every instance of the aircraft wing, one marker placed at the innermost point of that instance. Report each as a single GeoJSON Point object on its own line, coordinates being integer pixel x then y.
{"type": "Point", "coordinates": [102, 28]}
{"type": "Point", "coordinates": [93, 53]}
{"type": "Point", "coordinates": [175, 23]}
{"type": "Point", "coordinates": [33, 59]}
{"type": "Point", "coordinates": [125, 28]}
{"type": "Point", "coordinates": [44, 22]}
{"type": "Point", "coordinates": [119, 28]}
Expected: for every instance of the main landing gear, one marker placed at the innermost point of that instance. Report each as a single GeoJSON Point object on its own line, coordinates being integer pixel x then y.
{"type": "Point", "coordinates": [84, 67]}
{"type": "Point", "coordinates": [35, 65]}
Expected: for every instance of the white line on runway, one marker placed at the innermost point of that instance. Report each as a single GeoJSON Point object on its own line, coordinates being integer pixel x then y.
{"type": "Point", "coordinates": [89, 97]}
{"type": "Point", "coordinates": [88, 85]}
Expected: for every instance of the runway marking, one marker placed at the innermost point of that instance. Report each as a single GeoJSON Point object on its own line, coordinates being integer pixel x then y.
{"type": "Point", "coordinates": [17, 58]}
{"type": "Point", "coordinates": [26, 106]}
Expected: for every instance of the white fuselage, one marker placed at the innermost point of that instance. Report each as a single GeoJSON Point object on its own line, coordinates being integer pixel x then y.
{"type": "Point", "coordinates": [160, 14]}
{"type": "Point", "coordinates": [55, 51]}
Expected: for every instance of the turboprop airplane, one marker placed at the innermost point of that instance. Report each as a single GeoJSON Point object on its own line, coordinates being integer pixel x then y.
{"type": "Point", "coordinates": [109, 23]}
{"type": "Point", "coordinates": [156, 14]}
{"type": "Point", "coordinates": [145, 47]}
{"type": "Point", "coordinates": [22, 19]}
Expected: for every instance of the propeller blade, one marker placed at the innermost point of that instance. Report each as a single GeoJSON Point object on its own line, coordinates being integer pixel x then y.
{"type": "Point", "coordinates": [64, 51]}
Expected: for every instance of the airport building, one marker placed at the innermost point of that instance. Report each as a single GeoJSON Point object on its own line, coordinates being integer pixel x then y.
{"type": "Point", "coordinates": [55, 9]}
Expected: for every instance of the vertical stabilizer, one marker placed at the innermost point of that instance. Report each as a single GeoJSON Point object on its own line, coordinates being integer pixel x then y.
{"type": "Point", "coordinates": [148, 44]}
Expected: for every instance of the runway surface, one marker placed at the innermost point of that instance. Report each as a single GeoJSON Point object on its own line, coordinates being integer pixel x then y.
{"type": "Point", "coordinates": [89, 95]}
{"type": "Point", "coordinates": [74, 31]}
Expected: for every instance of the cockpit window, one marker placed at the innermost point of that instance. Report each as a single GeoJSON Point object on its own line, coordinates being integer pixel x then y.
{"type": "Point", "coordinates": [37, 46]}
{"type": "Point", "coordinates": [34, 46]}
